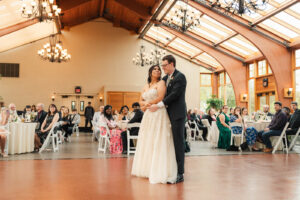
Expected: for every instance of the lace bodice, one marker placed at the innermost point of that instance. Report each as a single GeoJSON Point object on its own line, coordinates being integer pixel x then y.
{"type": "Point", "coordinates": [150, 95]}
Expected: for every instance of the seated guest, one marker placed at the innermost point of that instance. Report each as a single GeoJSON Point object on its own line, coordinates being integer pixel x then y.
{"type": "Point", "coordinates": [295, 120]}
{"type": "Point", "coordinates": [116, 115]}
{"type": "Point", "coordinates": [266, 109]}
{"type": "Point", "coordinates": [236, 117]}
{"type": "Point", "coordinates": [60, 112]}
{"type": "Point", "coordinates": [189, 112]}
{"type": "Point", "coordinates": [287, 111]}
{"type": "Point", "coordinates": [137, 118]}
{"type": "Point", "coordinates": [65, 122]}
{"type": "Point", "coordinates": [73, 119]}
{"type": "Point", "coordinates": [33, 108]}
{"type": "Point", "coordinates": [97, 118]}
{"type": "Point", "coordinates": [115, 133]}
{"type": "Point", "coordinates": [224, 128]}
{"type": "Point", "coordinates": [210, 115]}
{"type": "Point", "coordinates": [51, 118]}
{"type": "Point", "coordinates": [124, 113]}
{"type": "Point", "coordinates": [4, 116]}
{"type": "Point", "coordinates": [41, 115]}
{"type": "Point", "coordinates": [27, 113]}
{"type": "Point", "coordinates": [275, 127]}
{"type": "Point", "coordinates": [13, 115]}
{"type": "Point", "coordinates": [231, 112]}
{"type": "Point", "coordinates": [199, 123]}
{"type": "Point", "coordinates": [250, 132]}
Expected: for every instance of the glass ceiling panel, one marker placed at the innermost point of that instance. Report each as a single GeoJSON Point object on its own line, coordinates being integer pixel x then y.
{"type": "Point", "coordinates": [165, 9]}
{"type": "Point", "coordinates": [293, 21]}
{"type": "Point", "coordinates": [26, 35]}
{"type": "Point", "coordinates": [296, 8]}
{"type": "Point", "coordinates": [206, 34]}
{"type": "Point", "coordinates": [240, 40]}
{"type": "Point", "coordinates": [204, 57]}
{"type": "Point", "coordinates": [10, 13]}
{"type": "Point", "coordinates": [283, 30]}
{"type": "Point", "coordinates": [235, 48]}
{"type": "Point", "coordinates": [184, 47]}
{"type": "Point", "coordinates": [160, 34]}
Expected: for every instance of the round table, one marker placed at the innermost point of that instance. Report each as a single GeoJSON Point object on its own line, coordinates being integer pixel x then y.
{"type": "Point", "coordinates": [259, 126]}
{"type": "Point", "coordinates": [21, 137]}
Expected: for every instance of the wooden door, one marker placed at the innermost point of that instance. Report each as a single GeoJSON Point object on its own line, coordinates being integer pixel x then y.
{"type": "Point", "coordinates": [118, 99]}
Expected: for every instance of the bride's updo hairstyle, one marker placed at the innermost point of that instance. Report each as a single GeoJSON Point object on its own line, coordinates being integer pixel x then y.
{"type": "Point", "coordinates": [150, 73]}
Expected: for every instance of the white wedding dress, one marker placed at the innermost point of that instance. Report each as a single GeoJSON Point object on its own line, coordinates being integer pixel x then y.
{"type": "Point", "coordinates": [155, 153]}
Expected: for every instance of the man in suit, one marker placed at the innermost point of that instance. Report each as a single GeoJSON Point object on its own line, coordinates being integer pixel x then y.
{"type": "Point", "coordinates": [89, 113]}
{"type": "Point", "coordinates": [295, 120]}
{"type": "Point", "coordinates": [174, 102]}
{"type": "Point", "coordinates": [41, 115]}
{"type": "Point", "coordinates": [137, 118]}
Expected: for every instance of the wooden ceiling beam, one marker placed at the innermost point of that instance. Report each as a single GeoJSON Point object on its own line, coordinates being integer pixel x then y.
{"type": "Point", "coordinates": [225, 39]}
{"type": "Point", "coordinates": [276, 11]}
{"type": "Point", "coordinates": [136, 7]}
{"type": "Point", "coordinates": [168, 43]}
{"type": "Point", "coordinates": [197, 54]}
{"type": "Point", "coordinates": [19, 26]}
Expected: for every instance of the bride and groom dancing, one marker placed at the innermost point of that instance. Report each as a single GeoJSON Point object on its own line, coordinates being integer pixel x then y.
{"type": "Point", "coordinates": [160, 148]}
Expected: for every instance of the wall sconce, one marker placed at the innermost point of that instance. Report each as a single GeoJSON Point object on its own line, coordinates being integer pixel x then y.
{"type": "Point", "coordinates": [53, 97]}
{"type": "Point", "coordinates": [101, 99]}
{"type": "Point", "coordinates": [244, 98]}
{"type": "Point", "coordinates": [288, 92]}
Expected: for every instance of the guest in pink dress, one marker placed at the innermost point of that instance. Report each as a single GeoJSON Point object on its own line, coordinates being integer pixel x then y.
{"type": "Point", "coordinates": [116, 146]}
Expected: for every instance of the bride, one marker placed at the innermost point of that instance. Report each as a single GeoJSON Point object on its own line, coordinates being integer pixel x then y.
{"type": "Point", "coordinates": [155, 154]}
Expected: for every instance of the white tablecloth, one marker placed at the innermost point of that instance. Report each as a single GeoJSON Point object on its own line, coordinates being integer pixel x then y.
{"type": "Point", "coordinates": [21, 137]}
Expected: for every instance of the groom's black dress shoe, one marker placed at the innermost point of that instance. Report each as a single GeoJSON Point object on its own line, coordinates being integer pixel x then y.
{"type": "Point", "coordinates": [178, 180]}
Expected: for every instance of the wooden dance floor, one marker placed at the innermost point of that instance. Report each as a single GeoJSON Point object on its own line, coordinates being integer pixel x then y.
{"type": "Point", "coordinates": [207, 177]}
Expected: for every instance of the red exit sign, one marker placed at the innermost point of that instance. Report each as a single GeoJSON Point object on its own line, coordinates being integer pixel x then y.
{"type": "Point", "coordinates": [77, 89]}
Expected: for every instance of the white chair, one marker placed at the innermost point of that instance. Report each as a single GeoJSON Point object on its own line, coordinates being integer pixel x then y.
{"type": "Point", "coordinates": [104, 138]}
{"type": "Point", "coordinates": [195, 129]}
{"type": "Point", "coordinates": [95, 131]}
{"type": "Point", "coordinates": [282, 135]}
{"type": "Point", "coordinates": [131, 137]}
{"type": "Point", "coordinates": [233, 135]}
{"type": "Point", "coordinates": [294, 140]}
{"type": "Point", "coordinates": [60, 137]}
{"type": "Point", "coordinates": [76, 129]}
{"type": "Point", "coordinates": [188, 132]}
{"type": "Point", "coordinates": [51, 138]}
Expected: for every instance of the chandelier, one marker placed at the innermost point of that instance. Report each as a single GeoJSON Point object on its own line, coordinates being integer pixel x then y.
{"type": "Point", "coordinates": [142, 58]}
{"type": "Point", "coordinates": [184, 18]}
{"type": "Point", "coordinates": [240, 6]}
{"type": "Point", "coordinates": [44, 10]}
{"type": "Point", "coordinates": [154, 58]}
{"type": "Point", "coordinates": [53, 51]}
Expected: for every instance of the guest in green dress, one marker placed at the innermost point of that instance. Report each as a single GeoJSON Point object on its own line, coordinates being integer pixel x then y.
{"type": "Point", "coordinates": [224, 128]}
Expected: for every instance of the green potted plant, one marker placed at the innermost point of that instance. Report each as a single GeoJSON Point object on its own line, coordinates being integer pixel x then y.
{"type": "Point", "coordinates": [214, 103]}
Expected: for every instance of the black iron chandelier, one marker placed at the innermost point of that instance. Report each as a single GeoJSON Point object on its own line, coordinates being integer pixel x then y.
{"type": "Point", "coordinates": [239, 6]}
{"type": "Point", "coordinates": [184, 18]}
{"type": "Point", "coordinates": [44, 10]}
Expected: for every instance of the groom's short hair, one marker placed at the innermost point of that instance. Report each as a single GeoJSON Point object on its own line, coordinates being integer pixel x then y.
{"type": "Point", "coordinates": [170, 59]}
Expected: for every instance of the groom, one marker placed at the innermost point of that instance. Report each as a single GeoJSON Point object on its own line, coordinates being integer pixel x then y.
{"type": "Point", "coordinates": [174, 102]}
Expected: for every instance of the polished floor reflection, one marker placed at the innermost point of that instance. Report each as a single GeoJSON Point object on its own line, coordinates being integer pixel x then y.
{"type": "Point", "coordinates": [207, 177]}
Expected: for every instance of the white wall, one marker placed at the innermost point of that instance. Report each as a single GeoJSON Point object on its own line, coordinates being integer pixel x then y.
{"type": "Point", "coordinates": [101, 56]}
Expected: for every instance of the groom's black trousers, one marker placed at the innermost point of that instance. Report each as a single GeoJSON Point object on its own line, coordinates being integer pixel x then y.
{"type": "Point", "coordinates": [178, 137]}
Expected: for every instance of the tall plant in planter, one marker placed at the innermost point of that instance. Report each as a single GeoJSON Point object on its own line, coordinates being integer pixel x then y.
{"type": "Point", "coordinates": [214, 103]}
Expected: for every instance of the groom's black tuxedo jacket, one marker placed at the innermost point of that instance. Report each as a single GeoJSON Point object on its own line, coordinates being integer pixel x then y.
{"type": "Point", "coordinates": [175, 96]}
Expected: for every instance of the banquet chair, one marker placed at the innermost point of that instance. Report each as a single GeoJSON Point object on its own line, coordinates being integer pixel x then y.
{"type": "Point", "coordinates": [280, 140]}
{"type": "Point", "coordinates": [294, 140]}
{"type": "Point", "coordinates": [76, 129]}
{"type": "Point", "coordinates": [51, 138]}
{"type": "Point", "coordinates": [103, 138]}
{"type": "Point", "coordinates": [233, 135]}
{"type": "Point", "coordinates": [60, 136]}
{"type": "Point", "coordinates": [131, 137]}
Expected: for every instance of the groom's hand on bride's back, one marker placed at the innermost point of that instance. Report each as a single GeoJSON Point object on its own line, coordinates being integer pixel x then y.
{"type": "Point", "coordinates": [153, 108]}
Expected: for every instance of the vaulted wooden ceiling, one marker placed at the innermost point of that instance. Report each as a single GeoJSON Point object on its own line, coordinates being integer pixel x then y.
{"type": "Point", "coordinates": [129, 14]}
